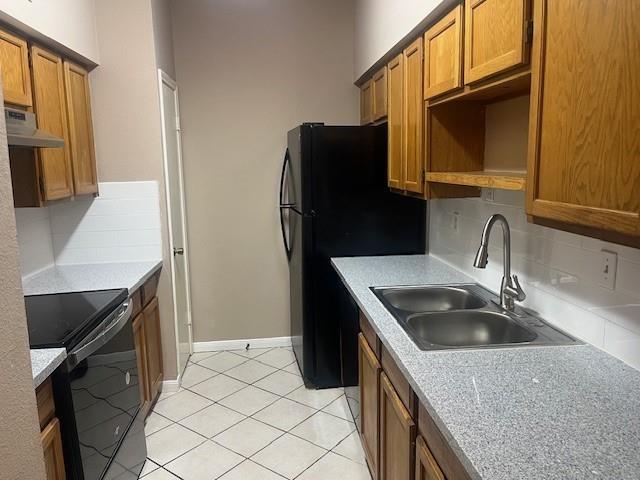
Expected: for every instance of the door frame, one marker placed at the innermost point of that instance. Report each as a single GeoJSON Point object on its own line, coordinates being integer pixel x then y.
{"type": "Point", "coordinates": [165, 79]}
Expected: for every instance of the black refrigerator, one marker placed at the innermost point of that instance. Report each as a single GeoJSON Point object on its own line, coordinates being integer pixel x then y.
{"type": "Point", "coordinates": [334, 202]}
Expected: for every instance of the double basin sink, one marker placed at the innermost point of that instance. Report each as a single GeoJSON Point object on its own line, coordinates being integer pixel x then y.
{"type": "Point", "coordinates": [440, 317]}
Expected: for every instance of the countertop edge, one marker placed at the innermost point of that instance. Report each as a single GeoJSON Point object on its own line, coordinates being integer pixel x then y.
{"type": "Point", "coordinates": [152, 271]}
{"type": "Point", "coordinates": [44, 362]}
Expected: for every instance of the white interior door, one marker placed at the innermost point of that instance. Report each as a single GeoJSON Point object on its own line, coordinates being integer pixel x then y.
{"type": "Point", "coordinates": [170, 113]}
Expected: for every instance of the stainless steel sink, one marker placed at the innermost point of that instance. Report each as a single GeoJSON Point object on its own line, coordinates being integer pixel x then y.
{"type": "Point", "coordinates": [432, 299]}
{"type": "Point", "coordinates": [468, 329]}
{"type": "Point", "coordinates": [440, 317]}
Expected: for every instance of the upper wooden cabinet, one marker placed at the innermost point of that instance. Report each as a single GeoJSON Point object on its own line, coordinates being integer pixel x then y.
{"type": "Point", "coordinates": [379, 85]}
{"type": "Point", "coordinates": [395, 89]}
{"type": "Point", "coordinates": [14, 62]}
{"type": "Point", "coordinates": [584, 150]}
{"type": "Point", "coordinates": [413, 119]}
{"type": "Point", "coordinates": [366, 102]}
{"type": "Point", "coordinates": [443, 55]}
{"type": "Point", "coordinates": [51, 115]}
{"type": "Point", "coordinates": [82, 149]}
{"type": "Point", "coordinates": [496, 37]}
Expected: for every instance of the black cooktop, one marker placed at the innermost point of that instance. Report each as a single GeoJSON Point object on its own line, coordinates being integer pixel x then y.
{"type": "Point", "coordinates": [63, 319]}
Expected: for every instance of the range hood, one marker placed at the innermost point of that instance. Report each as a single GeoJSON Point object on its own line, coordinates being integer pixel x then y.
{"type": "Point", "coordinates": [22, 131]}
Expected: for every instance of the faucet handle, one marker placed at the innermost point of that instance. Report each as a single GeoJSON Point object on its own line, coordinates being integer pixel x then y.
{"type": "Point", "coordinates": [516, 293]}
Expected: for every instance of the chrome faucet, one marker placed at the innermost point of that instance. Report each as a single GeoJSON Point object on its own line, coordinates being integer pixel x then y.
{"type": "Point", "coordinates": [508, 292]}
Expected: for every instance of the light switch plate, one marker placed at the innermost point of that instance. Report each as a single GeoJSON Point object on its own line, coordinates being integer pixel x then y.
{"type": "Point", "coordinates": [455, 220]}
{"type": "Point", "coordinates": [608, 269]}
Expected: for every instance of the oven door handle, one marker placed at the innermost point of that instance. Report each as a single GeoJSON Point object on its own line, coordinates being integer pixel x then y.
{"type": "Point", "coordinates": [78, 355]}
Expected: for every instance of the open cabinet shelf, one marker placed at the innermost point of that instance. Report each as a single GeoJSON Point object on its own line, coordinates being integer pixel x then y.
{"type": "Point", "coordinates": [482, 179]}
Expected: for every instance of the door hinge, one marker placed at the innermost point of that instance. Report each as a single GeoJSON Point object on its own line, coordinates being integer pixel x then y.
{"type": "Point", "coordinates": [528, 31]}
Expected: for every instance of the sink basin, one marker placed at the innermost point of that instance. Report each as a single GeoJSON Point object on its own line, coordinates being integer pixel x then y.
{"type": "Point", "coordinates": [468, 329]}
{"type": "Point", "coordinates": [432, 299]}
{"type": "Point", "coordinates": [464, 315]}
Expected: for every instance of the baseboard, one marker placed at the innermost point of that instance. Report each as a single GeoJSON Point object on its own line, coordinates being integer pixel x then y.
{"type": "Point", "coordinates": [242, 343]}
{"type": "Point", "coordinates": [170, 386]}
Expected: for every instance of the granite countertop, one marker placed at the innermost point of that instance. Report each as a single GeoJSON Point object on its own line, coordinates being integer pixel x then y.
{"type": "Point", "coordinates": [44, 361]}
{"type": "Point", "coordinates": [94, 276]}
{"type": "Point", "coordinates": [74, 278]}
{"type": "Point", "coordinates": [562, 412]}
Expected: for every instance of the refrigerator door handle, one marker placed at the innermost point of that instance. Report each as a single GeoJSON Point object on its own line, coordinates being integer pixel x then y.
{"type": "Point", "coordinates": [284, 206]}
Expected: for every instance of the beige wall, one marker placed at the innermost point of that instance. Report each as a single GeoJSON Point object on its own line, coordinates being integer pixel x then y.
{"type": "Point", "coordinates": [66, 23]}
{"type": "Point", "coordinates": [380, 24]}
{"type": "Point", "coordinates": [163, 36]}
{"type": "Point", "coordinates": [20, 447]}
{"type": "Point", "coordinates": [248, 72]}
{"type": "Point", "coordinates": [126, 115]}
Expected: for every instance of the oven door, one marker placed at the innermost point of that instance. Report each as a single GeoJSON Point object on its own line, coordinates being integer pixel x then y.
{"type": "Point", "coordinates": [106, 400]}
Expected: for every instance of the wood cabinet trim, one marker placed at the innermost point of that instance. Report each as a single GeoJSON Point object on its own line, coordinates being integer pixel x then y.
{"type": "Point", "coordinates": [426, 466]}
{"type": "Point", "coordinates": [23, 98]}
{"type": "Point", "coordinates": [413, 119]}
{"type": "Point", "coordinates": [77, 157]}
{"type": "Point", "coordinates": [452, 20]}
{"type": "Point", "coordinates": [379, 85]}
{"type": "Point", "coordinates": [51, 440]}
{"type": "Point", "coordinates": [370, 334]}
{"type": "Point", "coordinates": [511, 59]}
{"type": "Point", "coordinates": [47, 156]}
{"type": "Point", "coordinates": [399, 382]}
{"type": "Point", "coordinates": [599, 221]}
{"type": "Point", "coordinates": [45, 402]}
{"type": "Point", "coordinates": [366, 102]}
{"type": "Point", "coordinates": [407, 424]}
{"type": "Point", "coordinates": [395, 109]}
{"type": "Point", "coordinates": [370, 439]}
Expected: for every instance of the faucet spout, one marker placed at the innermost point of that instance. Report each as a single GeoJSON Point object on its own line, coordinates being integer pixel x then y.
{"type": "Point", "coordinates": [508, 293]}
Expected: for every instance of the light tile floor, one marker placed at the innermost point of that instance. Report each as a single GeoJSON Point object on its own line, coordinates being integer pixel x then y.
{"type": "Point", "coordinates": [246, 415]}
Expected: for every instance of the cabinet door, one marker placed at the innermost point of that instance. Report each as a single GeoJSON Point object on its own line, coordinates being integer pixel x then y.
{"type": "Point", "coordinates": [49, 99]}
{"type": "Point", "coordinates": [397, 435]}
{"type": "Point", "coordinates": [154, 347]}
{"type": "Point", "coordinates": [369, 380]}
{"type": "Point", "coordinates": [395, 89]}
{"type": "Point", "coordinates": [139, 338]}
{"type": "Point", "coordinates": [426, 466]}
{"type": "Point", "coordinates": [83, 159]}
{"type": "Point", "coordinates": [584, 143]}
{"type": "Point", "coordinates": [413, 119]}
{"type": "Point", "coordinates": [52, 448]}
{"type": "Point", "coordinates": [443, 55]}
{"type": "Point", "coordinates": [379, 82]}
{"type": "Point", "coordinates": [14, 61]}
{"type": "Point", "coordinates": [495, 37]}
{"type": "Point", "coordinates": [366, 103]}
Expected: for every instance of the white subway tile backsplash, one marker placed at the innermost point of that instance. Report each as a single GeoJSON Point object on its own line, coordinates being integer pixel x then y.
{"type": "Point", "coordinates": [122, 224]}
{"type": "Point", "coordinates": [560, 270]}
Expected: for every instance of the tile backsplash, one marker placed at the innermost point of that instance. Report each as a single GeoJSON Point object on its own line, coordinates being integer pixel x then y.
{"type": "Point", "coordinates": [559, 271]}
{"type": "Point", "coordinates": [122, 224]}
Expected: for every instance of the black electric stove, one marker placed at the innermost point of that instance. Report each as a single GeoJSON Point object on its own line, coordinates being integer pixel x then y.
{"type": "Point", "coordinates": [96, 390]}
{"type": "Point", "coordinates": [64, 319]}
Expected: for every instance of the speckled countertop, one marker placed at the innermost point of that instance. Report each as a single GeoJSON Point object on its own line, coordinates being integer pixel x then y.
{"type": "Point", "coordinates": [44, 361]}
{"type": "Point", "coordinates": [564, 412]}
{"type": "Point", "coordinates": [95, 276]}
{"type": "Point", "coordinates": [78, 278]}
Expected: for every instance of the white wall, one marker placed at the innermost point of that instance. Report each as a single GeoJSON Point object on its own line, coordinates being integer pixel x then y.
{"type": "Point", "coordinates": [34, 239]}
{"type": "Point", "coordinates": [70, 23]}
{"type": "Point", "coordinates": [559, 271]}
{"type": "Point", "coordinates": [249, 71]}
{"type": "Point", "coordinates": [381, 24]}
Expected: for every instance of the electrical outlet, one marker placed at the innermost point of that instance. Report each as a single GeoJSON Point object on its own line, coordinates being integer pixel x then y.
{"type": "Point", "coordinates": [455, 219]}
{"type": "Point", "coordinates": [608, 269]}
{"type": "Point", "coordinates": [488, 194]}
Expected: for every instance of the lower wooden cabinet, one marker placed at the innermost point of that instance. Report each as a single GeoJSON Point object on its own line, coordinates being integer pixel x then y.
{"type": "Point", "coordinates": [52, 448]}
{"type": "Point", "coordinates": [151, 315]}
{"type": "Point", "coordinates": [146, 331]}
{"type": "Point", "coordinates": [426, 466]}
{"type": "Point", "coordinates": [369, 380]}
{"type": "Point", "coordinates": [397, 435]}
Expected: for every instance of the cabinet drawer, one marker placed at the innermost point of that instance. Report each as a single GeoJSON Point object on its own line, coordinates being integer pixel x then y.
{"type": "Point", "coordinates": [46, 405]}
{"type": "Point", "coordinates": [400, 384]}
{"type": "Point", "coordinates": [369, 335]}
